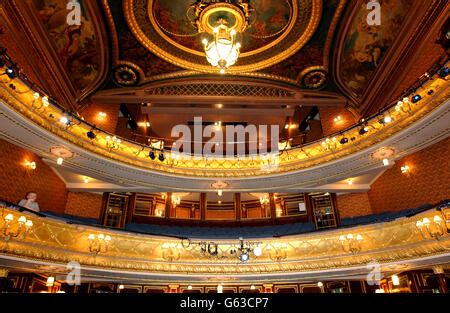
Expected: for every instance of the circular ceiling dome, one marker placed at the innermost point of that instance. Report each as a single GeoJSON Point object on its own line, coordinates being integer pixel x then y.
{"type": "Point", "coordinates": [277, 30]}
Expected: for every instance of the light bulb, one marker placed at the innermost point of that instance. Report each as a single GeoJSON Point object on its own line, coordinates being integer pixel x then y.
{"type": "Point", "coordinates": [257, 251]}
{"type": "Point", "coordinates": [9, 218]}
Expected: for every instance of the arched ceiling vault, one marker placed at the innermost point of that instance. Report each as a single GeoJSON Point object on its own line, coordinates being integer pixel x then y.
{"type": "Point", "coordinates": [320, 50]}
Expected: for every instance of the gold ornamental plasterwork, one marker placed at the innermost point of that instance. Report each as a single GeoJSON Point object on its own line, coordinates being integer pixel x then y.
{"type": "Point", "coordinates": [21, 101]}
{"type": "Point", "coordinates": [199, 64]}
{"type": "Point", "coordinates": [288, 29]}
{"type": "Point", "coordinates": [58, 242]}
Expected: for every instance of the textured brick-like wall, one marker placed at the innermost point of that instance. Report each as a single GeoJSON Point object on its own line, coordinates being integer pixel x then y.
{"type": "Point", "coordinates": [424, 58]}
{"type": "Point", "coordinates": [108, 123]}
{"type": "Point", "coordinates": [353, 204]}
{"type": "Point", "coordinates": [429, 181]}
{"type": "Point", "coordinates": [327, 115]}
{"type": "Point", "coordinates": [50, 188]}
{"type": "Point", "coordinates": [84, 204]}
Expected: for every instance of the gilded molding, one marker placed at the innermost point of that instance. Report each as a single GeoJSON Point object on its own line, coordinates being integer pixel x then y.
{"type": "Point", "coordinates": [57, 242]}
{"type": "Point", "coordinates": [314, 154]}
{"type": "Point", "coordinates": [316, 7]}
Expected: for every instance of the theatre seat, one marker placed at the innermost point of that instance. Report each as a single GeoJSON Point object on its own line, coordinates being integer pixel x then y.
{"type": "Point", "coordinates": [222, 232]}
{"type": "Point", "coordinates": [383, 217]}
{"type": "Point", "coordinates": [71, 219]}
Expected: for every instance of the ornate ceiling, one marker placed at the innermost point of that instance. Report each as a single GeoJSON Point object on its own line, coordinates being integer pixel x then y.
{"type": "Point", "coordinates": [125, 47]}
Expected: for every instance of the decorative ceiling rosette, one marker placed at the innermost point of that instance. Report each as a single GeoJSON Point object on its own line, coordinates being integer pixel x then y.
{"type": "Point", "coordinates": [276, 30]}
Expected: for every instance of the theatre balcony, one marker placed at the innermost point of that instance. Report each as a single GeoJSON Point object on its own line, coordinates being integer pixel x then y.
{"type": "Point", "coordinates": [296, 146]}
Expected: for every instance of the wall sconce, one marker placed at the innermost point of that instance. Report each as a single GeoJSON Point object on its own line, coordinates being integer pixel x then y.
{"type": "Point", "coordinates": [99, 244]}
{"type": "Point", "coordinates": [329, 144]}
{"type": "Point", "coordinates": [22, 230]}
{"type": "Point", "coordinates": [112, 143]}
{"type": "Point", "coordinates": [29, 167]}
{"type": "Point", "coordinates": [277, 252]}
{"type": "Point", "coordinates": [44, 101]}
{"type": "Point", "coordinates": [395, 280]}
{"type": "Point", "coordinates": [101, 115]}
{"type": "Point", "coordinates": [434, 228]}
{"type": "Point", "coordinates": [50, 281]}
{"type": "Point", "coordinates": [351, 243]}
{"type": "Point", "coordinates": [337, 119]}
{"type": "Point", "coordinates": [405, 169]}
{"type": "Point", "coordinates": [170, 252]}
{"type": "Point", "coordinates": [220, 288]}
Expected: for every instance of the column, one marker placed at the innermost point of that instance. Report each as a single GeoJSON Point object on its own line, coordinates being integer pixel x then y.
{"type": "Point", "coordinates": [237, 206]}
{"type": "Point", "coordinates": [440, 276]}
{"type": "Point", "coordinates": [203, 206]}
{"type": "Point", "coordinates": [173, 288]}
{"type": "Point", "coordinates": [168, 206]}
{"type": "Point", "coordinates": [268, 288]}
{"type": "Point", "coordinates": [273, 209]}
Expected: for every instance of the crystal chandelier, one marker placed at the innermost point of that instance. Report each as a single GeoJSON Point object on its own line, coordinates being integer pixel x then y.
{"type": "Point", "coordinates": [223, 51]}
{"type": "Point", "coordinates": [223, 22]}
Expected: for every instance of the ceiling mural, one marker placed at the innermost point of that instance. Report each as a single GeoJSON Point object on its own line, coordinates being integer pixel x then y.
{"type": "Point", "coordinates": [175, 19]}
{"type": "Point", "coordinates": [309, 66]}
{"type": "Point", "coordinates": [365, 46]}
{"type": "Point", "coordinates": [287, 41]}
{"type": "Point", "coordinates": [76, 46]}
{"type": "Point", "coordinates": [158, 30]}
{"type": "Point", "coordinates": [311, 45]}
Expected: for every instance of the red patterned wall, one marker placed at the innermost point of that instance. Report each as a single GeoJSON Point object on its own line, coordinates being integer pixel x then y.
{"type": "Point", "coordinates": [429, 181]}
{"type": "Point", "coordinates": [50, 188]}
{"type": "Point", "coordinates": [84, 204]}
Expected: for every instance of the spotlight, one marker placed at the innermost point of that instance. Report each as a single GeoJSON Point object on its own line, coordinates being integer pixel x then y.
{"type": "Point", "coordinates": [244, 257]}
{"type": "Point", "coordinates": [344, 141]}
{"type": "Point", "coordinates": [65, 120]}
{"type": "Point", "coordinates": [161, 157]}
{"type": "Point", "coordinates": [444, 72]}
{"type": "Point", "coordinates": [385, 120]}
{"type": "Point", "coordinates": [416, 99]}
{"type": "Point", "coordinates": [152, 155]}
{"type": "Point", "coordinates": [91, 135]}
{"type": "Point", "coordinates": [363, 130]}
{"type": "Point", "coordinates": [10, 73]}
